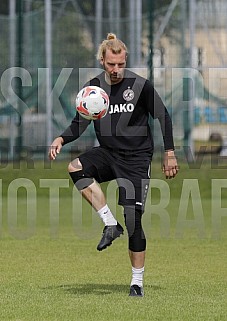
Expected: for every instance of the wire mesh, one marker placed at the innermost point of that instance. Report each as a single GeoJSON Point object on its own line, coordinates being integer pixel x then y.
{"type": "Point", "coordinates": [74, 44]}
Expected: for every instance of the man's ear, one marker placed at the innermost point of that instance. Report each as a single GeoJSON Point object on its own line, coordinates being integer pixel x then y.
{"type": "Point", "coordinates": [101, 61]}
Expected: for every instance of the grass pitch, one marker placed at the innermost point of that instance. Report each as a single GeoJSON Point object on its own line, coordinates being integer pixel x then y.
{"type": "Point", "coordinates": [51, 270]}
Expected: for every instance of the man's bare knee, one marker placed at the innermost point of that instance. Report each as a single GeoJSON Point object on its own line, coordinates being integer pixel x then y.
{"type": "Point", "coordinates": [75, 166]}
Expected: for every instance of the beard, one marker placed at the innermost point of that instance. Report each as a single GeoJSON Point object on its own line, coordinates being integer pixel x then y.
{"type": "Point", "coordinates": [115, 77]}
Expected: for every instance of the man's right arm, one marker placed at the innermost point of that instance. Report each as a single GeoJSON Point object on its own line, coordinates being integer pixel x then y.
{"type": "Point", "coordinates": [74, 131]}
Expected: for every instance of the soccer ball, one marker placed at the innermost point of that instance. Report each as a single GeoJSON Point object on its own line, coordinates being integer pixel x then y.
{"type": "Point", "coordinates": [92, 102]}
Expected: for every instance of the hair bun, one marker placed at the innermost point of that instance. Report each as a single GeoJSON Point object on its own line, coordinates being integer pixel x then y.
{"type": "Point", "coordinates": [111, 36]}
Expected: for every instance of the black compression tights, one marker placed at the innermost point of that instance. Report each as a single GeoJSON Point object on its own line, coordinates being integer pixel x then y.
{"type": "Point", "coordinates": [133, 222]}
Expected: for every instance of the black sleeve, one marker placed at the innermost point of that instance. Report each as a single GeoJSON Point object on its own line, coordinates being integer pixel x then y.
{"type": "Point", "coordinates": [76, 129]}
{"type": "Point", "coordinates": [158, 111]}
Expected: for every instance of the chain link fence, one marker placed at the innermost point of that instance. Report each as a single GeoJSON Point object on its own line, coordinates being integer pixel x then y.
{"type": "Point", "coordinates": [186, 41]}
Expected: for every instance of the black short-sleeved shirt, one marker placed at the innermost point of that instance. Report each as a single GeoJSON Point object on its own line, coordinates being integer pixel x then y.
{"type": "Point", "coordinates": [126, 125]}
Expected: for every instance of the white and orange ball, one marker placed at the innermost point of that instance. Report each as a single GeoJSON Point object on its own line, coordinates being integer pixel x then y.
{"type": "Point", "coordinates": [92, 102]}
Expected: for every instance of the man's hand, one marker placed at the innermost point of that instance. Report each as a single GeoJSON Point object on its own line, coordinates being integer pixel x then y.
{"type": "Point", "coordinates": [170, 167]}
{"type": "Point", "coordinates": [55, 148]}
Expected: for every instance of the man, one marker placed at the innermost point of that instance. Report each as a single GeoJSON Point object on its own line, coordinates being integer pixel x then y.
{"type": "Point", "coordinates": [124, 154]}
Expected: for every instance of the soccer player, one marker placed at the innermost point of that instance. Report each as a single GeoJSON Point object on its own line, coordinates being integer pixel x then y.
{"type": "Point", "coordinates": [124, 154]}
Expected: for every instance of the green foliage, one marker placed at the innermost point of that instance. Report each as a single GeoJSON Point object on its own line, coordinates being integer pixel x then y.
{"type": "Point", "coordinates": [157, 5]}
{"type": "Point", "coordinates": [4, 7]}
{"type": "Point", "coordinates": [72, 44]}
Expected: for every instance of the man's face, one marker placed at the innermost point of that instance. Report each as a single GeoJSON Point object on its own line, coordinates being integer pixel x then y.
{"type": "Point", "coordinates": [114, 65]}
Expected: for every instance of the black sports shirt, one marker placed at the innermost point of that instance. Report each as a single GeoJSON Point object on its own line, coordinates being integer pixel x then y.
{"type": "Point", "coordinates": [126, 125]}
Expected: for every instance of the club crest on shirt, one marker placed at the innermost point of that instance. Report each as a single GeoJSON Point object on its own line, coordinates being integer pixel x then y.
{"type": "Point", "coordinates": [128, 94]}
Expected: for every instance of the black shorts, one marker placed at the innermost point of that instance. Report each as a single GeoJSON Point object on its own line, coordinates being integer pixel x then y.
{"type": "Point", "coordinates": [130, 170]}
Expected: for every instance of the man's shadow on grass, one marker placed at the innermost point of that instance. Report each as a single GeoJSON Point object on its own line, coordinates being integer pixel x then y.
{"type": "Point", "coordinates": [98, 289]}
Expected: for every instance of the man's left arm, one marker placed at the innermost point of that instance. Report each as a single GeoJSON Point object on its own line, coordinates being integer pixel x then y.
{"type": "Point", "coordinates": [158, 111]}
{"type": "Point", "coordinates": [170, 166]}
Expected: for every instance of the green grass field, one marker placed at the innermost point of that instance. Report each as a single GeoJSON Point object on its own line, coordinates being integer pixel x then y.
{"type": "Point", "coordinates": [51, 270]}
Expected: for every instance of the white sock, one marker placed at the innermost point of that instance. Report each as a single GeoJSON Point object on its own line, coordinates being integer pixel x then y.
{"type": "Point", "coordinates": [137, 276]}
{"type": "Point", "coordinates": [106, 216]}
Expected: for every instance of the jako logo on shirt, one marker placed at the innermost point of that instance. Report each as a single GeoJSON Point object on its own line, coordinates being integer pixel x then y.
{"type": "Point", "coordinates": [121, 108]}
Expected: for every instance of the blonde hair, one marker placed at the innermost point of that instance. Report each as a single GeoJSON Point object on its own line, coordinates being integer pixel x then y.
{"type": "Point", "coordinates": [112, 43]}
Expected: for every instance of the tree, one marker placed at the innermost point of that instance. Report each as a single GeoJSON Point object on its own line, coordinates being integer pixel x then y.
{"type": "Point", "coordinates": [4, 7]}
